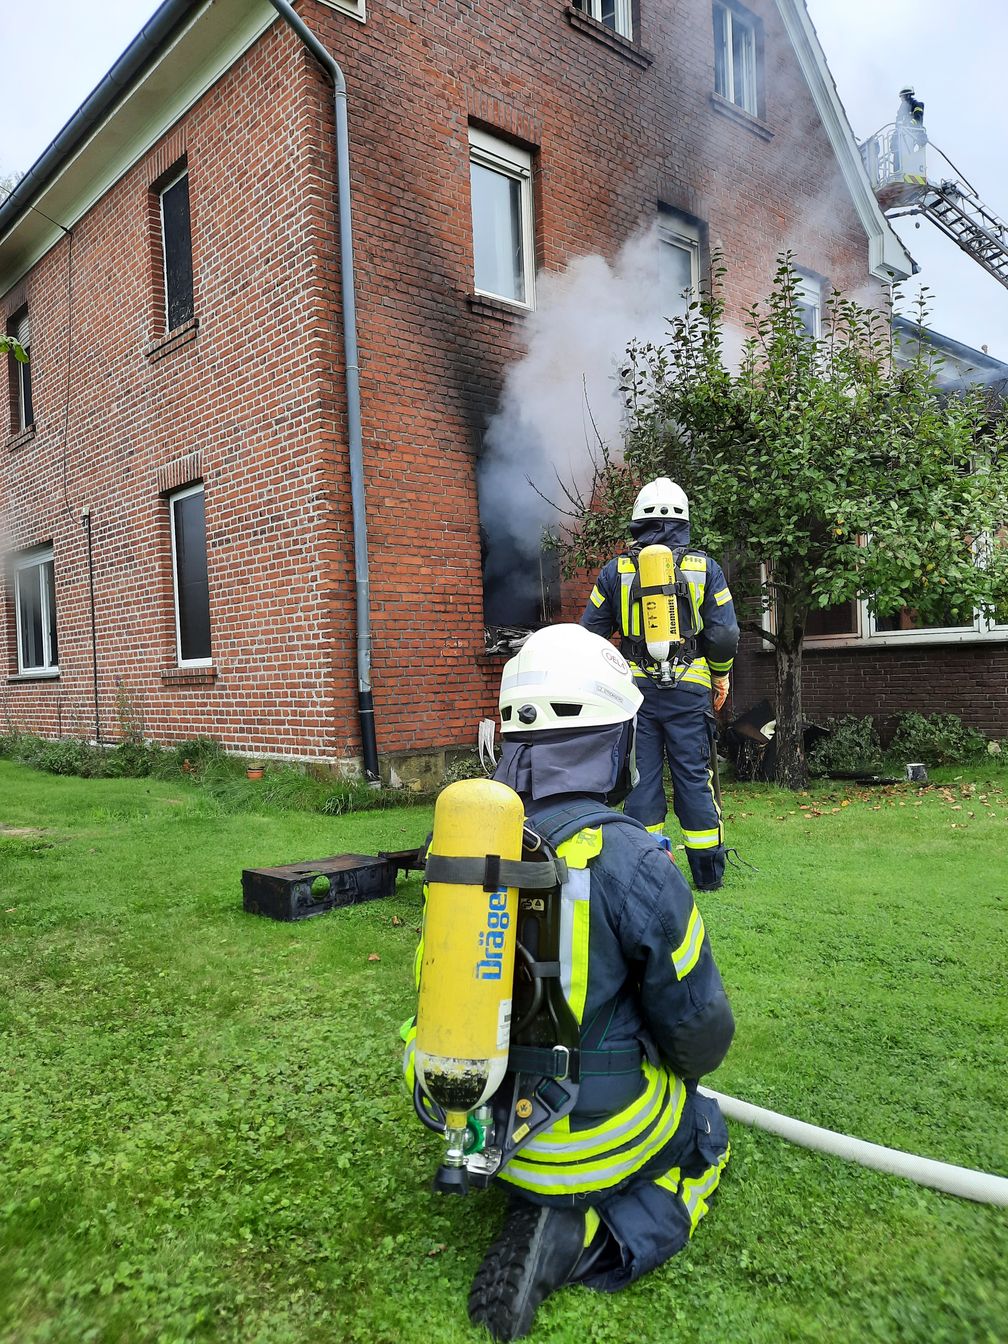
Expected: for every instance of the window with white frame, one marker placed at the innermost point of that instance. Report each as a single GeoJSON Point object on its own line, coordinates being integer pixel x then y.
{"type": "Point", "coordinates": [22, 412]}
{"type": "Point", "coordinates": [35, 609]}
{"type": "Point", "coordinates": [678, 263]}
{"type": "Point", "coordinates": [614, 14]}
{"type": "Point", "coordinates": [808, 301]}
{"type": "Point", "coordinates": [355, 8]}
{"type": "Point", "coordinates": [500, 177]}
{"type": "Point", "coordinates": [736, 56]}
{"type": "Point", "coordinates": [189, 572]}
{"type": "Point", "coordinates": [176, 243]}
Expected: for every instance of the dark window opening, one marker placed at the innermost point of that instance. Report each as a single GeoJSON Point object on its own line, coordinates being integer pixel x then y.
{"type": "Point", "coordinates": [192, 590]}
{"type": "Point", "coordinates": [521, 591]}
{"type": "Point", "coordinates": [176, 234]}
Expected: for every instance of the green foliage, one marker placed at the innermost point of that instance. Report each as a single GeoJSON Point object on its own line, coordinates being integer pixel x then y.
{"type": "Point", "coordinates": [852, 747]}
{"type": "Point", "coordinates": [824, 469]}
{"type": "Point", "coordinates": [937, 739]}
{"type": "Point", "coordinates": [10, 346]}
{"type": "Point", "coordinates": [204, 1136]}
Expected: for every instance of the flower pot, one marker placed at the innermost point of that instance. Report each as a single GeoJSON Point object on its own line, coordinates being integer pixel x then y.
{"type": "Point", "coordinates": [254, 772]}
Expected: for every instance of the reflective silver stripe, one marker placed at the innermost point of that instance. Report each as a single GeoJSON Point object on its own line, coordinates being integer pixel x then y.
{"type": "Point", "coordinates": [523, 679]}
{"type": "Point", "coordinates": [573, 890]}
{"type": "Point", "coordinates": [695, 1191]}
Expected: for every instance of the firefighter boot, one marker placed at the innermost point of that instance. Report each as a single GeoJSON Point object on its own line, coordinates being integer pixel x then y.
{"type": "Point", "coordinates": [534, 1255]}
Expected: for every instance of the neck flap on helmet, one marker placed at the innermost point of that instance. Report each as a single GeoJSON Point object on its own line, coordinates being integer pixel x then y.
{"type": "Point", "coordinates": [660, 532]}
{"type": "Point", "coordinates": [598, 762]}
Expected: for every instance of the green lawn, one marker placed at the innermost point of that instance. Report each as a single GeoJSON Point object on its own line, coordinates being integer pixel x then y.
{"type": "Point", "coordinates": [203, 1134]}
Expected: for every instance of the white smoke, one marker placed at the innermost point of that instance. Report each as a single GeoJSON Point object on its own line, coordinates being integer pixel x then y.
{"type": "Point", "coordinates": [562, 396]}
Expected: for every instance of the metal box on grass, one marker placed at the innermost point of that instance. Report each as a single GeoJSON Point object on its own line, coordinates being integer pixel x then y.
{"type": "Point", "coordinates": [299, 890]}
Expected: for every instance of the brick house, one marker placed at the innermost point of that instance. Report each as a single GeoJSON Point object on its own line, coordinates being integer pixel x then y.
{"type": "Point", "coordinates": [190, 539]}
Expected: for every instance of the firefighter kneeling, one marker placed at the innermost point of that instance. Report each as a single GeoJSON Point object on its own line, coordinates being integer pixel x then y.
{"type": "Point", "coordinates": [609, 1152]}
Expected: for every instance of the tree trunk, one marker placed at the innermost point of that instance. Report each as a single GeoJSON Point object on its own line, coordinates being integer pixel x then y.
{"type": "Point", "coordinates": [790, 770]}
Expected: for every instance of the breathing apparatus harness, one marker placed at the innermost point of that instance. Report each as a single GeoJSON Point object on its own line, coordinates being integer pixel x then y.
{"type": "Point", "coordinates": [546, 1056]}
{"type": "Point", "coordinates": [664, 580]}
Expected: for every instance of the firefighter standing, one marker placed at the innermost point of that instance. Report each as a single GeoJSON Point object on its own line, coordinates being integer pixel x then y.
{"type": "Point", "coordinates": [674, 721]}
{"type": "Point", "coordinates": [618, 1185]}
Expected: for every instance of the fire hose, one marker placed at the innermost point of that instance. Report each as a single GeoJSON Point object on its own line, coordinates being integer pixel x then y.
{"type": "Point", "coordinates": [981, 1186]}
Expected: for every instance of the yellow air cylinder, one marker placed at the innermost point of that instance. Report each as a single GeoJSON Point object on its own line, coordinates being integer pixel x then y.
{"type": "Point", "coordinates": [656, 567]}
{"type": "Point", "coordinates": [467, 970]}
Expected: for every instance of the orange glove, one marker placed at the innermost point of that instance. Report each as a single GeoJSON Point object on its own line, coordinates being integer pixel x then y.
{"type": "Point", "coordinates": [720, 686]}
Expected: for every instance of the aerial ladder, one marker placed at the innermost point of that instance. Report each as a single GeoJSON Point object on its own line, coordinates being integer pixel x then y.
{"type": "Point", "coordinates": [905, 183]}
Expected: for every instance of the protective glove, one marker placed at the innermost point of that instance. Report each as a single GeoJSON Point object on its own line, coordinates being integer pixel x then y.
{"type": "Point", "coordinates": [721, 686]}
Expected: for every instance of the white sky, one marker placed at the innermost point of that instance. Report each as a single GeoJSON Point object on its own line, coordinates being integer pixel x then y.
{"type": "Point", "coordinates": [53, 53]}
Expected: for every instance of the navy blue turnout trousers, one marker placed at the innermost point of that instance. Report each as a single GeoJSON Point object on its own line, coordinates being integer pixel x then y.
{"type": "Point", "coordinates": [677, 724]}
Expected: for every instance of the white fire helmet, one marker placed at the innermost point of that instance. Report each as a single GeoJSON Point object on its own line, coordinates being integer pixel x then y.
{"type": "Point", "coordinates": [661, 499]}
{"type": "Point", "coordinates": [565, 677]}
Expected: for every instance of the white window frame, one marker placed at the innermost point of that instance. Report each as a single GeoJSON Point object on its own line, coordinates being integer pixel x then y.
{"type": "Point", "coordinates": [674, 231]}
{"type": "Point", "coordinates": [810, 292]}
{"type": "Point", "coordinates": [355, 8]}
{"type": "Point", "coordinates": [172, 499]}
{"type": "Point", "coordinates": [39, 557]}
{"type": "Point", "coordinates": [501, 157]}
{"type": "Point", "coordinates": [623, 15]}
{"type": "Point", "coordinates": [733, 17]}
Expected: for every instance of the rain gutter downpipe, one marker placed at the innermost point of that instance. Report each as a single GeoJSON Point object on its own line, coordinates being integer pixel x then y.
{"type": "Point", "coordinates": [355, 442]}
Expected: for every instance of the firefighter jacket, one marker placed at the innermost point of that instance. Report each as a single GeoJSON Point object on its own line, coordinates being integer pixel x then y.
{"type": "Point", "coordinates": [639, 976]}
{"type": "Point", "coordinates": [706, 610]}
{"type": "Point", "coordinates": [638, 973]}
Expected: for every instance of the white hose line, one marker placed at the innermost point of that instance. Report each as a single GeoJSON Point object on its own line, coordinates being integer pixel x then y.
{"type": "Point", "coordinates": [963, 1181]}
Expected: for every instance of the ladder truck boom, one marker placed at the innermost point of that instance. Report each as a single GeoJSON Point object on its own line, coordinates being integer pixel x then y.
{"type": "Point", "coordinates": [896, 161]}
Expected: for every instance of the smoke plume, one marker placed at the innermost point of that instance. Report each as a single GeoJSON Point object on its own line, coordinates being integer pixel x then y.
{"type": "Point", "coordinates": [559, 399]}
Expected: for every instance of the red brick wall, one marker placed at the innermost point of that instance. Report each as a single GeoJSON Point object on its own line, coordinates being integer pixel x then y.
{"type": "Point", "coordinates": [970, 680]}
{"type": "Point", "coordinates": [258, 392]}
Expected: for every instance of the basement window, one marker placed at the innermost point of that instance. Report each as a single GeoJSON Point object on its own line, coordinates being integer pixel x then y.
{"type": "Point", "coordinates": [614, 14]}
{"type": "Point", "coordinates": [737, 49]}
{"type": "Point", "coordinates": [189, 572]}
{"type": "Point", "coordinates": [35, 608]}
{"type": "Point", "coordinates": [22, 412]}
{"type": "Point", "coordinates": [176, 243]}
{"type": "Point", "coordinates": [500, 176]}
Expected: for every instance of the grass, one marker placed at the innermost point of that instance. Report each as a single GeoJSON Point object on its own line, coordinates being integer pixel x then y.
{"type": "Point", "coordinates": [203, 1135]}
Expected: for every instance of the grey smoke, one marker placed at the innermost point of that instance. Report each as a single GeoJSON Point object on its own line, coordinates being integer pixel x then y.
{"type": "Point", "coordinates": [575, 342]}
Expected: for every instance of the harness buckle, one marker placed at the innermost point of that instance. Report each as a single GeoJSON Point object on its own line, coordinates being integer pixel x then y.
{"type": "Point", "coordinates": [561, 1063]}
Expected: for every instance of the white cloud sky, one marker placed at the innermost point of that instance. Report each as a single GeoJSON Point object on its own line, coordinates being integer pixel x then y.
{"type": "Point", "coordinates": [53, 52]}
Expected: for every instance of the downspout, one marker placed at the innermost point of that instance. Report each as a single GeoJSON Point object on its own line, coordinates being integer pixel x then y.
{"type": "Point", "coordinates": [362, 580]}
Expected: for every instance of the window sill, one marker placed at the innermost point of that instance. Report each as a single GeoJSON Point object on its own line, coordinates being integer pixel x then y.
{"type": "Point", "coordinates": [500, 309]}
{"type": "Point", "coordinates": [623, 46]}
{"type": "Point", "coordinates": [42, 674]}
{"type": "Point", "coordinates": [19, 440]}
{"type": "Point", "coordinates": [164, 345]}
{"type": "Point", "coordinates": [746, 119]}
{"type": "Point", "coordinates": [189, 676]}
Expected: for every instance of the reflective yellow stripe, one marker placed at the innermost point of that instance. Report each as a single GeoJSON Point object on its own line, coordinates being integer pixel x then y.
{"type": "Point", "coordinates": [702, 839]}
{"type": "Point", "coordinates": [693, 562]}
{"type": "Point", "coordinates": [670, 1181]}
{"type": "Point", "coordinates": [581, 848]}
{"type": "Point", "coordinates": [578, 1176]}
{"type": "Point", "coordinates": [657, 828]}
{"type": "Point", "coordinates": [722, 597]}
{"type": "Point", "coordinates": [575, 915]}
{"type": "Point", "coordinates": [624, 606]}
{"type": "Point", "coordinates": [687, 954]}
{"type": "Point", "coordinates": [698, 673]}
{"type": "Point", "coordinates": [560, 1144]}
{"type": "Point", "coordinates": [595, 597]}
{"type": "Point", "coordinates": [719, 669]}
{"type": "Point", "coordinates": [624, 565]}
{"type": "Point", "coordinates": [696, 1190]}
{"type": "Point", "coordinates": [592, 1221]}
{"type": "Point", "coordinates": [635, 620]}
